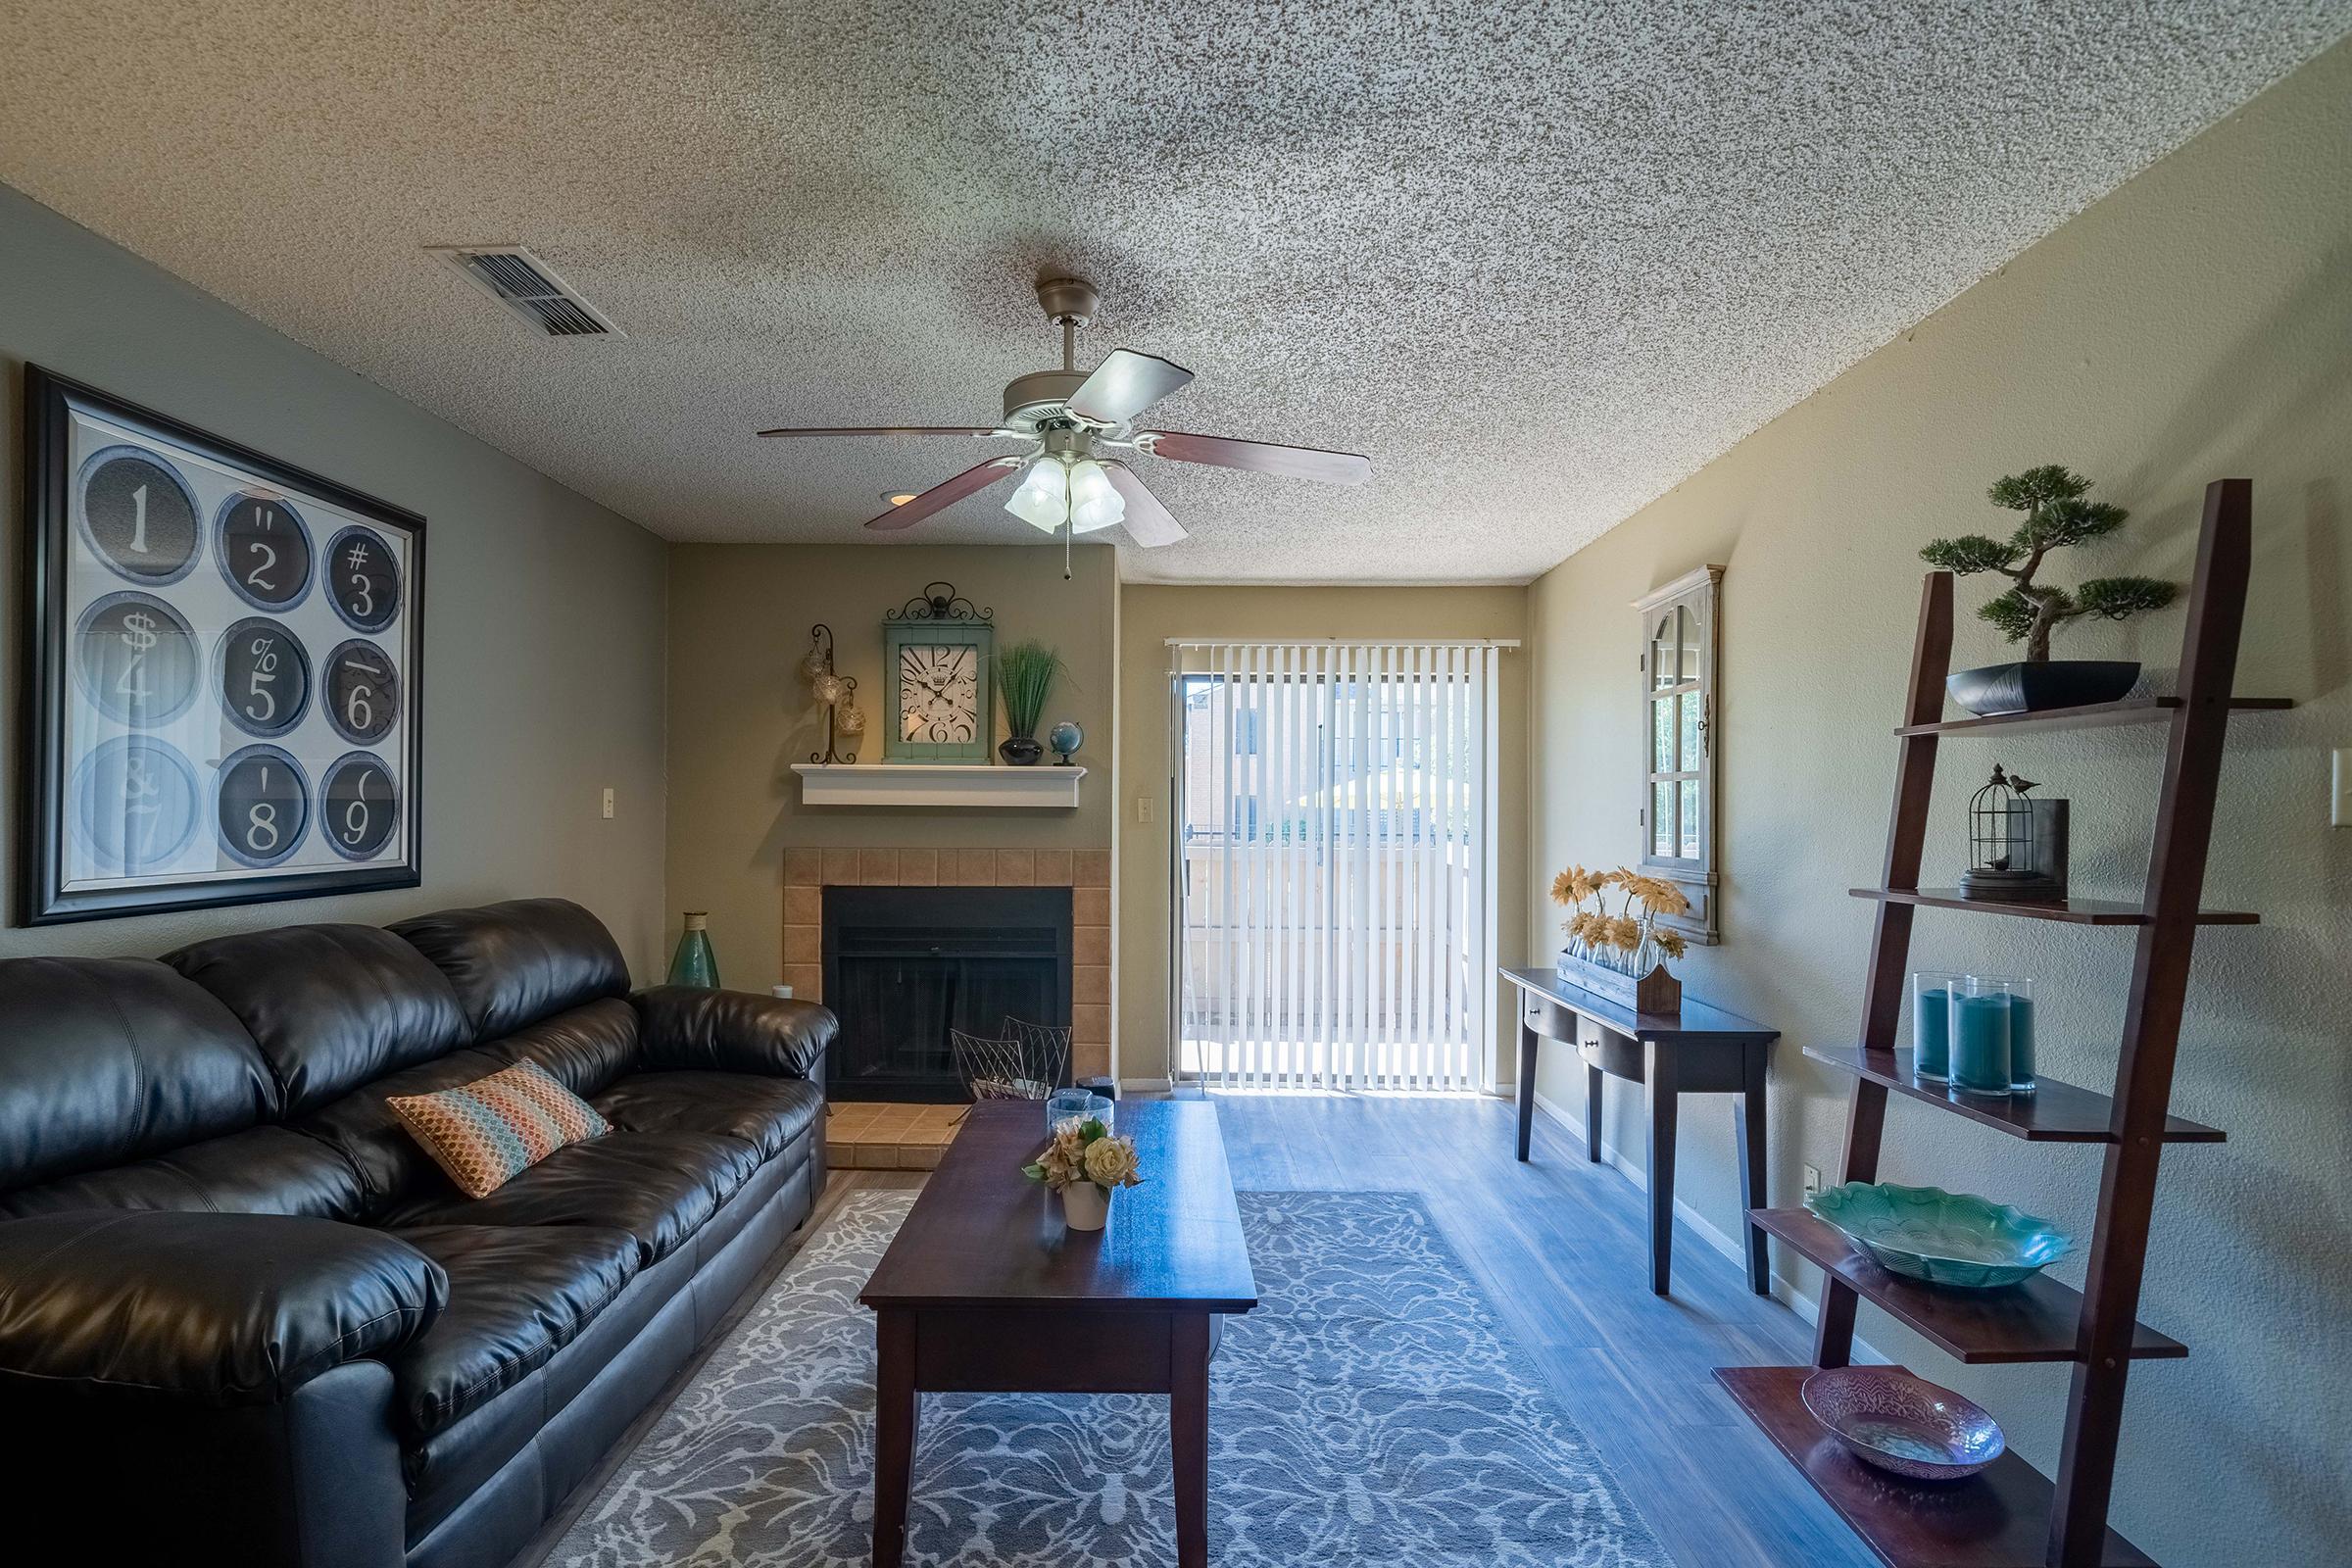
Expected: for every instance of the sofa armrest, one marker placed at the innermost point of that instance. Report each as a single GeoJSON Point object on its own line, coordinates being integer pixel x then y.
{"type": "Point", "coordinates": [221, 1309]}
{"type": "Point", "coordinates": [731, 1031]}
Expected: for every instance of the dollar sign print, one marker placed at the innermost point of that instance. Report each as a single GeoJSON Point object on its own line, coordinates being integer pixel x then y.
{"type": "Point", "coordinates": [138, 630]}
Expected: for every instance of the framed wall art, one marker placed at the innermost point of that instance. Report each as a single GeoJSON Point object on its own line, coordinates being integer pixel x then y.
{"type": "Point", "coordinates": [223, 698]}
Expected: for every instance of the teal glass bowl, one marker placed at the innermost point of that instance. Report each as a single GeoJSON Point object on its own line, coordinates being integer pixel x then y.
{"type": "Point", "coordinates": [1925, 1232]}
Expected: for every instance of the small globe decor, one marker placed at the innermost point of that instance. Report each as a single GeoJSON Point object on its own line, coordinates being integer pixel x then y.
{"type": "Point", "coordinates": [1618, 954]}
{"type": "Point", "coordinates": [1065, 738]}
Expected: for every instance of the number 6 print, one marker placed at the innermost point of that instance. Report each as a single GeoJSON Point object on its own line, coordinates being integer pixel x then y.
{"type": "Point", "coordinates": [361, 692]}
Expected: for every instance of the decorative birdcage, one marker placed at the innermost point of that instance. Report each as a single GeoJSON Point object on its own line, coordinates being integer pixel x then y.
{"type": "Point", "coordinates": [2005, 863]}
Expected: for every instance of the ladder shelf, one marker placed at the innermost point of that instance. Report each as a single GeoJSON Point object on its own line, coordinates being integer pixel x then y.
{"type": "Point", "coordinates": [2011, 1514]}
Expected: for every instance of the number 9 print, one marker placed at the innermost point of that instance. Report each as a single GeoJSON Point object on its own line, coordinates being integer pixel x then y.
{"type": "Point", "coordinates": [359, 805]}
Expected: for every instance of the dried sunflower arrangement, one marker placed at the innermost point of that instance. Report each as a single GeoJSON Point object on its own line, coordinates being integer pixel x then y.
{"type": "Point", "coordinates": [1618, 953]}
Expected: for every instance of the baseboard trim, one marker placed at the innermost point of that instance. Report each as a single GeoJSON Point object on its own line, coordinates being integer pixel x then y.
{"type": "Point", "coordinates": [1783, 1291]}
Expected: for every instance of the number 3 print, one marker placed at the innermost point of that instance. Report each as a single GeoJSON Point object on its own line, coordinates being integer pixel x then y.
{"type": "Point", "coordinates": [363, 578]}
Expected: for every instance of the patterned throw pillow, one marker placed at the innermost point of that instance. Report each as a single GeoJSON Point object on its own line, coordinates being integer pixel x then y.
{"type": "Point", "coordinates": [496, 1128]}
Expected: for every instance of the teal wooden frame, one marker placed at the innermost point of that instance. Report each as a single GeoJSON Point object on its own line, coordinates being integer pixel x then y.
{"type": "Point", "coordinates": [981, 637]}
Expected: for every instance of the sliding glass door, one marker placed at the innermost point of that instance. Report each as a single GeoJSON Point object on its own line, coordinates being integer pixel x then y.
{"type": "Point", "coordinates": [1335, 864]}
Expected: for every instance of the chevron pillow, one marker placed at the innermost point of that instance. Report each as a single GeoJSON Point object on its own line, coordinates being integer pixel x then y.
{"type": "Point", "coordinates": [492, 1130]}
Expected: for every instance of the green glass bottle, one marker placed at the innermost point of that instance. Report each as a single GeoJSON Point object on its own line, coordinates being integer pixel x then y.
{"type": "Point", "coordinates": [695, 965]}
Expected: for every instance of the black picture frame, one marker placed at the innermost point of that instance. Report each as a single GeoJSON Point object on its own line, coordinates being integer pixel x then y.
{"type": "Point", "coordinates": [43, 898]}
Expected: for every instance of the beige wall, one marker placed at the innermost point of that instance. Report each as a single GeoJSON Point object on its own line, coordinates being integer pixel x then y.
{"type": "Point", "coordinates": [543, 630]}
{"type": "Point", "coordinates": [1151, 614]}
{"type": "Point", "coordinates": [740, 715]}
{"type": "Point", "coordinates": [2197, 323]}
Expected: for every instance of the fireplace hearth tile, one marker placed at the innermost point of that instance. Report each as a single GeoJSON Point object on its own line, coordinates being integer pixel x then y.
{"type": "Point", "coordinates": [1054, 868]}
{"type": "Point", "coordinates": [1091, 868]}
{"type": "Point", "coordinates": [1090, 906]}
{"type": "Point", "coordinates": [919, 868]}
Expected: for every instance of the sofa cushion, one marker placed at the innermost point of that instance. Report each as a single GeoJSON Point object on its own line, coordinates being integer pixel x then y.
{"type": "Point", "coordinates": [333, 1007]}
{"type": "Point", "coordinates": [659, 1187]}
{"type": "Point", "coordinates": [516, 1296]}
{"type": "Point", "coordinates": [213, 1308]}
{"type": "Point", "coordinates": [261, 1170]}
{"type": "Point", "coordinates": [514, 964]}
{"type": "Point", "coordinates": [362, 1130]}
{"type": "Point", "coordinates": [586, 1048]}
{"type": "Point", "coordinates": [104, 1061]}
{"type": "Point", "coordinates": [767, 1112]}
{"type": "Point", "coordinates": [486, 1132]}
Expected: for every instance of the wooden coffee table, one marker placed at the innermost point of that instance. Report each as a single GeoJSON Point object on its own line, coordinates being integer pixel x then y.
{"type": "Point", "coordinates": [985, 1292]}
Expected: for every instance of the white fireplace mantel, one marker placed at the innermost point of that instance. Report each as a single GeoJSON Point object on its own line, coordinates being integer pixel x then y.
{"type": "Point", "coordinates": [938, 785]}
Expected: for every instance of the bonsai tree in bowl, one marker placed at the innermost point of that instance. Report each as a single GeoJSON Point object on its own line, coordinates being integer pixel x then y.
{"type": "Point", "coordinates": [2057, 518]}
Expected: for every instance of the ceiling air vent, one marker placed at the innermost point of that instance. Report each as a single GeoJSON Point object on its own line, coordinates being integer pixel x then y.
{"type": "Point", "coordinates": [529, 287]}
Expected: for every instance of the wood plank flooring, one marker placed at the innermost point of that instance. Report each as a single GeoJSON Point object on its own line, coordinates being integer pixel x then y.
{"type": "Point", "coordinates": [1560, 1246]}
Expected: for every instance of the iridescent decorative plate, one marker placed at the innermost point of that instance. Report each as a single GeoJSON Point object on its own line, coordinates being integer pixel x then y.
{"type": "Point", "coordinates": [1944, 1238]}
{"type": "Point", "coordinates": [1903, 1424]}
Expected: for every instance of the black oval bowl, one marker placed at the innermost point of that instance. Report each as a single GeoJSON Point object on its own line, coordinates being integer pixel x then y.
{"type": "Point", "coordinates": [2036, 688]}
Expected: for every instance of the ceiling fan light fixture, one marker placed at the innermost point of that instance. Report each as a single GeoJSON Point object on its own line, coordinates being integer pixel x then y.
{"type": "Point", "coordinates": [1094, 502]}
{"type": "Point", "coordinates": [1042, 500]}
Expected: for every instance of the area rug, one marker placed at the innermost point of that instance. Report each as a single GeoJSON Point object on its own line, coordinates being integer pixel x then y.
{"type": "Point", "coordinates": [1371, 1410]}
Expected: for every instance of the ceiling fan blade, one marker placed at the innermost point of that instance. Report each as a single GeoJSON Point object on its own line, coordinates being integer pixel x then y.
{"type": "Point", "coordinates": [941, 496]}
{"type": "Point", "coordinates": [896, 429]}
{"type": "Point", "coordinates": [1257, 457]}
{"type": "Point", "coordinates": [1124, 385]}
{"type": "Point", "coordinates": [1147, 522]}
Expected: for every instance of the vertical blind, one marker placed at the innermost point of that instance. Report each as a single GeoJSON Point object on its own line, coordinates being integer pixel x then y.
{"type": "Point", "coordinates": [1335, 845]}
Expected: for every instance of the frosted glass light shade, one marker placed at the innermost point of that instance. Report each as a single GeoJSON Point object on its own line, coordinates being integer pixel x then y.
{"type": "Point", "coordinates": [1043, 500]}
{"type": "Point", "coordinates": [1094, 502]}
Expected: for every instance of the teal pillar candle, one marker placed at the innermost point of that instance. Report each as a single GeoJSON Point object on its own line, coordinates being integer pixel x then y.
{"type": "Point", "coordinates": [2021, 1043]}
{"type": "Point", "coordinates": [1932, 1032]}
{"type": "Point", "coordinates": [1981, 1043]}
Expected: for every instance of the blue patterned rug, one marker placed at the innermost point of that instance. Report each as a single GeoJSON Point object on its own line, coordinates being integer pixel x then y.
{"type": "Point", "coordinates": [1371, 1410]}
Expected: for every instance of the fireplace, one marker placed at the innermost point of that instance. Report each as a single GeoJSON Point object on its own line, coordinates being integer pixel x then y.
{"type": "Point", "coordinates": [903, 966]}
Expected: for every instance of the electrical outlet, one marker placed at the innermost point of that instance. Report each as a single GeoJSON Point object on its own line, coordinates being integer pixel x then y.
{"type": "Point", "coordinates": [1143, 809]}
{"type": "Point", "coordinates": [1812, 1181]}
{"type": "Point", "coordinates": [607, 806]}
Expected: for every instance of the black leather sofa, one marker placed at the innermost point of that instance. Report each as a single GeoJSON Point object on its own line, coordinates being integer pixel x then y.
{"type": "Point", "coordinates": [244, 1318]}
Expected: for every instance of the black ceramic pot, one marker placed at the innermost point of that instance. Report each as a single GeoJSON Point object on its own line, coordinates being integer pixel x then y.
{"type": "Point", "coordinates": [2036, 688]}
{"type": "Point", "coordinates": [1020, 751]}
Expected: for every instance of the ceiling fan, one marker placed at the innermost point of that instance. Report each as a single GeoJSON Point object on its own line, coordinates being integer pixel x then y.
{"type": "Point", "coordinates": [1072, 421]}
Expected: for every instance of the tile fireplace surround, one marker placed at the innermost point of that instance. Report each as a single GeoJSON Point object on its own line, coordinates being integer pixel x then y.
{"type": "Point", "coordinates": [808, 872]}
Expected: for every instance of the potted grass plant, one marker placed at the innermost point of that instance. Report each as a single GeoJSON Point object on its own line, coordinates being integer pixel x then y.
{"type": "Point", "coordinates": [1025, 674]}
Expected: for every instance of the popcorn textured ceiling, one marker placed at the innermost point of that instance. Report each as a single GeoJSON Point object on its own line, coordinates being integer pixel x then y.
{"type": "Point", "coordinates": [1540, 261]}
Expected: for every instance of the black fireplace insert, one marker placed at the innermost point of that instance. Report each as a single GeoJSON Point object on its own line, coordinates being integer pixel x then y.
{"type": "Point", "coordinates": [903, 965]}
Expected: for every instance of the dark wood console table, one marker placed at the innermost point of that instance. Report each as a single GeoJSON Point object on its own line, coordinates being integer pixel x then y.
{"type": "Point", "coordinates": [1698, 1050]}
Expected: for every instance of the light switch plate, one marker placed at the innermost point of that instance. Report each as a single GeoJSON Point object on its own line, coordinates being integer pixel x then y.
{"type": "Point", "coordinates": [607, 806]}
{"type": "Point", "coordinates": [1812, 1181]}
{"type": "Point", "coordinates": [1143, 809]}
